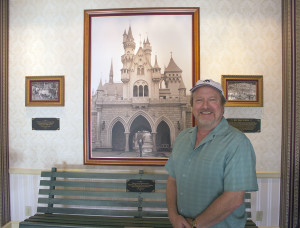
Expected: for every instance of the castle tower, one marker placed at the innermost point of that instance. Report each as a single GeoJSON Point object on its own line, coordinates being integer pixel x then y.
{"type": "Point", "coordinates": [100, 87]}
{"type": "Point", "coordinates": [128, 42]}
{"type": "Point", "coordinates": [172, 76]}
{"type": "Point", "coordinates": [156, 77]}
{"type": "Point", "coordinates": [147, 50]}
{"type": "Point", "coordinates": [100, 90]}
{"type": "Point", "coordinates": [182, 89]}
{"type": "Point", "coordinates": [173, 72]}
{"type": "Point", "coordinates": [127, 58]}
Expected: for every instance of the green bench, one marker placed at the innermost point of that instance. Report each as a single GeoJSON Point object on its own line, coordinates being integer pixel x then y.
{"type": "Point", "coordinates": [85, 199]}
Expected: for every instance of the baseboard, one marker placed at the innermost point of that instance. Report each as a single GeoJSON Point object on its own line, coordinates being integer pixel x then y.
{"type": "Point", "coordinates": [16, 225]}
{"type": "Point", "coordinates": [268, 227]}
{"type": "Point", "coordinates": [11, 224]}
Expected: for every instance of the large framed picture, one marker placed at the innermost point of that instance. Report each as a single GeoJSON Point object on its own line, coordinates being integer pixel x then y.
{"type": "Point", "coordinates": [44, 91]}
{"type": "Point", "coordinates": [243, 90]}
{"type": "Point", "coordinates": [139, 65]}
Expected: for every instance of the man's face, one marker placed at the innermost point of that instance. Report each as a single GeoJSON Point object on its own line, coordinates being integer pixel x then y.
{"type": "Point", "coordinates": [207, 107]}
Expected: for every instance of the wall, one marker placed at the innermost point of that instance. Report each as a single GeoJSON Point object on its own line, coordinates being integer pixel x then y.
{"type": "Point", "coordinates": [46, 38]}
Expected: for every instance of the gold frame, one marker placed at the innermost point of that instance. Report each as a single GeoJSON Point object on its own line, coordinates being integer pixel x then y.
{"type": "Point", "coordinates": [88, 14]}
{"type": "Point", "coordinates": [29, 101]}
{"type": "Point", "coordinates": [258, 98]}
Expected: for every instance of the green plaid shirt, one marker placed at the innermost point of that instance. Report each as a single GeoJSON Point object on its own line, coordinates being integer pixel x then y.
{"type": "Point", "coordinates": [223, 161]}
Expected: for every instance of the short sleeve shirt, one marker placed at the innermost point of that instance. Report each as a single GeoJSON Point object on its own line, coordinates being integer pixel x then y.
{"type": "Point", "coordinates": [223, 161]}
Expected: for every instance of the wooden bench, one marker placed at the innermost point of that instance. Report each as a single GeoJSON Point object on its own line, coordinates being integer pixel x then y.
{"type": "Point", "coordinates": [85, 199]}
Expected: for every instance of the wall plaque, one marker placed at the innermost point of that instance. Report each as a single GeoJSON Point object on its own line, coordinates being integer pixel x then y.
{"type": "Point", "coordinates": [246, 125]}
{"type": "Point", "coordinates": [140, 185]}
{"type": "Point", "coordinates": [45, 123]}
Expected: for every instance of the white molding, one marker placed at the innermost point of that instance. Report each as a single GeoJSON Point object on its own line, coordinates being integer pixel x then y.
{"type": "Point", "coordinates": [268, 174]}
{"type": "Point", "coordinates": [38, 172]}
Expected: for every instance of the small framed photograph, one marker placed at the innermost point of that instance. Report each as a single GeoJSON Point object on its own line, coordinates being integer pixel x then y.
{"type": "Point", "coordinates": [243, 90]}
{"type": "Point", "coordinates": [44, 91]}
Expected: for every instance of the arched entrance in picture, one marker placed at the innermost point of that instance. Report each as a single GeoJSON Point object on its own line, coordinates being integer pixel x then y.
{"type": "Point", "coordinates": [118, 137]}
{"type": "Point", "coordinates": [140, 128]}
{"type": "Point", "coordinates": [163, 137]}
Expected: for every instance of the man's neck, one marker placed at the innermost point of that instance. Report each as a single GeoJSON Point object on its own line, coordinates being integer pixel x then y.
{"type": "Point", "coordinates": [201, 134]}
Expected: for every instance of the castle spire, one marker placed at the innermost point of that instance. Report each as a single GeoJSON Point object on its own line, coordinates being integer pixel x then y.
{"type": "Point", "coordinates": [111, 73]}
{"type": "Point", "coordinates": [130, 36]}
{"type": "Point", "coordinates": [156, 64]}
{"type": "Point", "coordinates": [100, 86]}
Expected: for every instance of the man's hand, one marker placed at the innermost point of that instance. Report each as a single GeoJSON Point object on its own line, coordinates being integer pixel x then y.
{"type": "Point", "coordinates": [179, 221]}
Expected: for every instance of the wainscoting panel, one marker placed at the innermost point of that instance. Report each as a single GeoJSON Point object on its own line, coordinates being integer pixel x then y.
{"type": "Point", "coordinates": [267, 200]}
{"type": "Point", "coordinates": [24, 194]}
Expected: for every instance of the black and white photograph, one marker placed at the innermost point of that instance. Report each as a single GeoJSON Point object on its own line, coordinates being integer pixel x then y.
{"type": "Point", "coordinates": [243, 90]}
{"type": "Point", "coordinates": [44, 91]}
{"type": "Point", "coordinates": [138, 95]}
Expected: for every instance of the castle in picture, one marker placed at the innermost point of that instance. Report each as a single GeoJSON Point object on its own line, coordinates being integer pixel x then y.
{"type": "Point", "coordinates": [142, 114]}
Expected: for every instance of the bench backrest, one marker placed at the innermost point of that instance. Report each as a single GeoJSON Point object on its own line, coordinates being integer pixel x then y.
{"type": "Point", "coordinates": [107, 194]}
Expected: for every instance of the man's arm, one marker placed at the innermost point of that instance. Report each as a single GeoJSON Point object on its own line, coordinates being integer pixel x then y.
{"type": "Point", "coordinates": [220, 208]}
{"type": "Point", "coordinates": [171, 192]}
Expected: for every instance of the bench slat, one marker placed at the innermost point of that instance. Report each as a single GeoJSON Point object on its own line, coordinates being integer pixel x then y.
{"type": "Point", "coordinates": [104, 203]}
{"type": "Point", "coordinates": [102, 218]}
{"type": "Point", "coordinates": [158, 186]}
{"type": "Point", "coordinates": [112, 176]}
{"type": "Point", "coordinates": [83, 184]}
{"type": "Point", "coordinates": [104, 212]}
{"type": "Point", "coordinates": [98, 221]}
{"type": "Point", "coordinates": [84, 202]}
{"type": "Point", "coordinates": [113, 194]}
{"type": "Point", "coordinates": [247, 195]}
{"type": "Point", "coordinates": [247, 204]}
{"type": "Point", "coordinates": [250, 224]}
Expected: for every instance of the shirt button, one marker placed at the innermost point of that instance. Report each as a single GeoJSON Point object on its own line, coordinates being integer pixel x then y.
{"type": "Point", "coordinates": [183, 175]}
{"type": "Point", "coordinates": [181, 193]}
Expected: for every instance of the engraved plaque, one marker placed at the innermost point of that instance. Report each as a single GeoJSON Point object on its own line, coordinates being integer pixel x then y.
{"type": "Point", "coordinates": [45, 123]}
{"type": "Point", "coordinates": [246, 125]}
{"type": "Point", "coordinates": [140, 185]}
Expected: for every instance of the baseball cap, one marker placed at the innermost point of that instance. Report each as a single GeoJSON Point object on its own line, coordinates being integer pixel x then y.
{"type": "Point", "coordinates": [208, 82]}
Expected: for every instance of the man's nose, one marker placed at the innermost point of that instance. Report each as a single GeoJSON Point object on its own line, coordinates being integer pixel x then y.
{"type": "Point", "coordinates": [205, 104]}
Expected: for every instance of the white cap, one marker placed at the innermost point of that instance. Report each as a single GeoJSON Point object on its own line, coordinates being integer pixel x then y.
{"type": "Point", "coordinates": [208, 82]}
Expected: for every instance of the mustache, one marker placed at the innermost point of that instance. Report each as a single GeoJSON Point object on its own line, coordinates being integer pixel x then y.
{"type": "Point", "coordinates": [205, 110]}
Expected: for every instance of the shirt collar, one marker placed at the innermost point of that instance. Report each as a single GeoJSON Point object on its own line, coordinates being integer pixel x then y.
{"type": "Point", "coordinates": [220, 129]}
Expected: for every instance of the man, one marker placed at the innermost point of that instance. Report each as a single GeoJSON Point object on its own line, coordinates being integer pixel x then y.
{"type": "Point", "coordinates": [141, 142]}
{"type": "Point", "coordinates": [211, 166]}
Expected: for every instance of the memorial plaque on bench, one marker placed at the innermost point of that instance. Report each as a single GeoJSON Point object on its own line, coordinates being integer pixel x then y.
{"type": "Point", "coordinates": [136, 185]}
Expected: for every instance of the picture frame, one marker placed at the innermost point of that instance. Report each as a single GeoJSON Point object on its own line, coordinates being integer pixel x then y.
{"type": "Point", "coordinates": [243, 90]}
{"type": "Point", "coordinates": [45, 90]}
{"type": "Point", "coordinates": [129, 98]}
